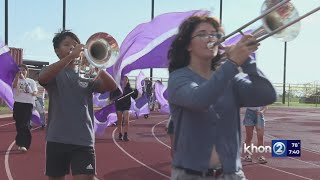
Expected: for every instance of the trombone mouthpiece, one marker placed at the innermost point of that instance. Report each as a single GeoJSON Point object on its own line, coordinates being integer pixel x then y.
{"type": "Point", "coordinates": [210, 45]}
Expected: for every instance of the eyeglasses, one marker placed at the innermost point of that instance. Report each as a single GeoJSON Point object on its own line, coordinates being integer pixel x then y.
{"type": "Point", "coordinates": [204, 37]}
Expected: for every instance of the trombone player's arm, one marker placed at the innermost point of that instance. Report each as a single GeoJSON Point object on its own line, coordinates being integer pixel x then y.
{"type": "Point", "coordinates": [52, 70]}
{"type": "Point", "coordinates": [104, 82]}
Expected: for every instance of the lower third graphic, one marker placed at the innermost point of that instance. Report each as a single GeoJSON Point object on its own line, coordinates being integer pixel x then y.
{"type": "Point", "coordinates": [284, 148]}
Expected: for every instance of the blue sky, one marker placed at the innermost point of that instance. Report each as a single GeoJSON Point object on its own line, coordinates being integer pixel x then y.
{"type": "Point", "coordinates": [32, 27]}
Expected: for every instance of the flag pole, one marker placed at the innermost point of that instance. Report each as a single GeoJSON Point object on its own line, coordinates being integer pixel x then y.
{"type": "Point", "coordinates": [152, 16]}
{"type": "Point", "coordinates": [284, 74]}
{"type": "Point", "coordinates": [221, 11]}
{"type": "Point", "coordinates": [64, 15]}
{"type": "Point", "coordinates": [6, 22]}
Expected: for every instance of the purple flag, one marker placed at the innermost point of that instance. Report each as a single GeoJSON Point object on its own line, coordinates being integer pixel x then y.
{"type": "Point", "coordinates": [99, 127]}
{"type": "Point", "coordinates": [159, 92]}
{"type": "Point", "coordinates": [104, 95]}
{"type": "Point", "coordinates": [99, 102]}
{"type": "Point", "coordinates": [102, 114]}
{"type": "Point", "coordinates": [140, 105]}
{"type": "Point", "coordinates": [36, 118]}
{"type": "Point", "coordinates": [8, 70]}
{"type": "Point", "coordinates": [6, 94]}
{"type": "Point", "coordinates": [146, 46]}
{"type": "Point", "coordinates": [104, 118]}
{"type": "Point", "coordinates": [140, 82]}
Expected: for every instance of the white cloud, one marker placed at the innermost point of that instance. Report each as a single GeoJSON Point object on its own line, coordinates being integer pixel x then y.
{"type": "Point", "coordinates": [32, 38]}
{"type": "Point", "coordinates": [37, 34]}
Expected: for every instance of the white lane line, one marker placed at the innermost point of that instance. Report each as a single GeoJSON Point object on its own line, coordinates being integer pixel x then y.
{"type": "Point", "coordinates": [297, 116]}
{"type": "Point", "coordinates": [286, 172]}
{"type": "Point", "coordinates": [6, 158]}
{"type": "Point", "coordinates": [6, 161]}
{"type": "Point", "coordinates": [289, 117]}
{"type": "Point", "coordinates": [303, 148]}
{"type": "Point", "coordinates": [2, 125]}
{"type": "Point", "coordinates": [154, 135]}
{"type": "Point", "coordinates": [306, 162]}
{"type": "Point", "coordinates": [133, 158]}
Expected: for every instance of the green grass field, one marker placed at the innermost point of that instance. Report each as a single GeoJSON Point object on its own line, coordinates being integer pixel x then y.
{"type": "Point", "coordinates": [6, 110]}
{"type": "Point", "coordinates": [295, 104]}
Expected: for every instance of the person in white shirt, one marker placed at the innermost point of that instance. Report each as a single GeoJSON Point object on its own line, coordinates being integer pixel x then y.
{"type": "Point", "coordinates": [24, 92]}
{"type": "Point", "coordinates": [254, 117]}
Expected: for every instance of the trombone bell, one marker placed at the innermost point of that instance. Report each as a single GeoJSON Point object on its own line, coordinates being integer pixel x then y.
{"type": "Point", "coordinates": [101, 51]}
{"type": "Point", "coordinates": [278, 18]}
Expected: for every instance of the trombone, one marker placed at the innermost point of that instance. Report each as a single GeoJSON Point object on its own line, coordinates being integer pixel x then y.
{"type": "Point", "coordinates": [280, 19]}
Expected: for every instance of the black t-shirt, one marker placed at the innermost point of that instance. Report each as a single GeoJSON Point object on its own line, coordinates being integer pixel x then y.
{"type": "Point", "coordinates": [124, 102]}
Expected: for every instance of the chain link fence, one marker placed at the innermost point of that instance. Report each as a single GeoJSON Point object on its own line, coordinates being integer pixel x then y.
{"type": "Point", "coordinates": [298, 94]}
{"type": "Point", "coordinates": [305, 95]}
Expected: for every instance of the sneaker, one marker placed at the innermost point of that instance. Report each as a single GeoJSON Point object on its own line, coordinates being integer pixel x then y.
{"type": "Point", "coordinates": [125, 137]}
{"type": "Point", "coordinates": [120, 136]}
{"type": "Point", "coordinates": [247, 158]}
{"type": "Point", "coordinates": [23, 149]}
{"type": "Point", "coordinates": [262, 160]}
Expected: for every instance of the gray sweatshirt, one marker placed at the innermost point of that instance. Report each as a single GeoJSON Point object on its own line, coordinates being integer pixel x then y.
{"type": "Point", "coordinates": [206, 113]}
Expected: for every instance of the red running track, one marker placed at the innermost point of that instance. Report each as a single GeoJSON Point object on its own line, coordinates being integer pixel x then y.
{"type": "Point", "coordinates": [147, 154]}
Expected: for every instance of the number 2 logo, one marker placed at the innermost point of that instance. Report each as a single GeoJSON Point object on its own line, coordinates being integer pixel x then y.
{"type": "Point", "coordinates": [279, 148]}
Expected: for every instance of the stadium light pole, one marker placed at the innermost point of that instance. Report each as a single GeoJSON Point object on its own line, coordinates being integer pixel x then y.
{"type": "Point", "coordinates": [284, 74]}
{"type": "Point", "coordinates": [64, 15]}
{"type": "Point", "coordinates": [6, 22]}
{"type": "Point", "coordinates": [152, 16]}
{"type": "Point", "coordinates": [221, 11]}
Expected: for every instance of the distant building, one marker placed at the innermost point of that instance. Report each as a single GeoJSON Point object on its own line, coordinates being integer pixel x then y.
{"type": "Point", "coordinates": [17, 54]}
{"type": "Point", "coordinates": [33, 65]}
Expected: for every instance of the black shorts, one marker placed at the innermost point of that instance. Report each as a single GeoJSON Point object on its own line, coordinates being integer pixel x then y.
{"type": "Point", "coordinates": [123, 107]}
{"type": "Point", "coordinates": [59, 158]}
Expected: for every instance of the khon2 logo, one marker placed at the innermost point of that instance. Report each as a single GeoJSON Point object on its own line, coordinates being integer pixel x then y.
{"type": "Point", "coordinates": [279, 148]}
{"type": "Point", "coordinates": [284, 148]}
